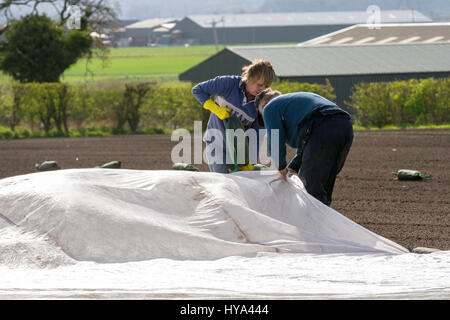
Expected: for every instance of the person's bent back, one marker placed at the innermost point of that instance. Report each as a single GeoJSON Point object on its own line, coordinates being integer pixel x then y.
{"type": "Point", "coordinates": [320, 130]}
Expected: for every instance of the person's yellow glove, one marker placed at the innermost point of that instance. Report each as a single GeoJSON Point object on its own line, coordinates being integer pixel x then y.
{"type": "Point", "coordinates": [221, 112]}
{"type": "Point", "coordinates": [248, 167]}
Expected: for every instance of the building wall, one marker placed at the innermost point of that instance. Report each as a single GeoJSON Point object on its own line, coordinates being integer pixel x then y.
{"type": "Point", "coordinates": [138, 32]}
{"type": "Point", "coordinates": [245, 35]}
{"type": "Point", "coordinates": [249, 35]}
{"type": "Point", "coordinates": [191, 30]}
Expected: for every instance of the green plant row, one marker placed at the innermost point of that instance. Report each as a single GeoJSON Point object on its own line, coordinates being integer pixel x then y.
{"type": "Point", "coordinates": [92, 131]}
{"type": "Point", "coordinates": [402, 103]}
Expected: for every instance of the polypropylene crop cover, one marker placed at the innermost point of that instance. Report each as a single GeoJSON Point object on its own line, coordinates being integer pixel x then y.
{"type": "Point", "coordinates": [128, 234]}
{"type": "Point", "coordinates": [108, 215]}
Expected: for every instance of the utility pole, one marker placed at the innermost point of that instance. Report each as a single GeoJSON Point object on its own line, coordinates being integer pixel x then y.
{"type": "Point", "coordinates": [216, 38]}
{"type": "Point", "coordinates": [413, 16]}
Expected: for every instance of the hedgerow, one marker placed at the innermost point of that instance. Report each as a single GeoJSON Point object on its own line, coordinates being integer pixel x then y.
{"type": "Point", "coordinates": [402, 103]}
{"type": "Point", "coordinates": [114, 107]}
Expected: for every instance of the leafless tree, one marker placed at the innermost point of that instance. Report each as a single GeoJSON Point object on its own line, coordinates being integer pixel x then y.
{"type": "Point", "coordinates": [103, 16]}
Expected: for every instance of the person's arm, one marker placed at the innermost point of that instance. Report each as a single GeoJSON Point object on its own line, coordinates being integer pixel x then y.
{"type": "Point", "coordinates": [296, 161]}
{"type": "Point", "coordinates": [215, 87]}
{"type": "Point", "coordinates": [246, 113]}
{"type": "Point", "coordinates": [273, 120]}
{"type": "Point", "coordinates": [219, 86]}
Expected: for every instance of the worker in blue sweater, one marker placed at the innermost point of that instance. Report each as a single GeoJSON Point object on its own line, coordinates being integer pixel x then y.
{"type": "Point", "coordinates": [321, 132]}
{"type": "Point", "coordinates": [232, 96]}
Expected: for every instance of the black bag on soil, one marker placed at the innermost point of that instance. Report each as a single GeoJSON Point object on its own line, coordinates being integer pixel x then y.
{"type": "Point", "coordinates": [184, 166]}
{"type": "Point", "coordinates": [47, 165]}
{"type": "Point", "coordinates": [411, 175]}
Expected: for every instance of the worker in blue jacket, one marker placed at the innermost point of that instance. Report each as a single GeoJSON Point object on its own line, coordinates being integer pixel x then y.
{"type": "Point", "coordinates": [321, 132]}
{"type": "Point", "coordinates": [227, 96]}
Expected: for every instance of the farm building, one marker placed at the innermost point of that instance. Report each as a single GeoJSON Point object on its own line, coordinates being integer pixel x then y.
{"type": "Point", "coordinates": [386, 33]}
{"type": "Point", "coordinates": [152, 31]}
{"type": "Point", "coordinates": [342, 65]}
{"type": "Point", "coordinates": [281, 27]}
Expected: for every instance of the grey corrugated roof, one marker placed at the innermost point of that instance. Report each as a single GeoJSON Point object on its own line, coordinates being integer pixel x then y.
{"type": "Point", "coordinates": [292, 61]}
{"type": "Point", "coordinates": [305, 18]}
{"type": "Point", "coordinates": [150, 23]}
{"type": "Point", "coordinates": [392, 33]}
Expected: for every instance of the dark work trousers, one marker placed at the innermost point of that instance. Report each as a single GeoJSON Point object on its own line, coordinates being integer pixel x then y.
{"type": "Point", "coordinates": [324, 154]}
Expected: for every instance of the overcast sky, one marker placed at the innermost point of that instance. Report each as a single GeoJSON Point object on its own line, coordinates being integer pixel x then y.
{"type": "Point", "coordinates": [146, 9]}
{"type": "Point", "coordinates": [142, 9]}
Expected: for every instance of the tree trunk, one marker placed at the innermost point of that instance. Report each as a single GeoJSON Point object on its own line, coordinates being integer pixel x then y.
{"type": "Point", "coordinates": [134, 105]}
{"type": "Point", "coordinates": [17, 101]}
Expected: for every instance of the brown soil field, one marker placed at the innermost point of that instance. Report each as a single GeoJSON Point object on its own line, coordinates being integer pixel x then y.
{"type": "Point", "coordinates": [411, 213]}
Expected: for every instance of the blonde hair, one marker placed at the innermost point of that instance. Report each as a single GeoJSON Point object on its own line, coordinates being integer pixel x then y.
{"type": "Point", "coordinates": [259, 69]}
